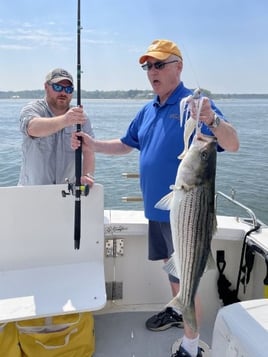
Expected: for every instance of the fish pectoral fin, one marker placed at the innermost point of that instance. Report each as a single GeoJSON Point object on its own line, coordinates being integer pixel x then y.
{"type": "Point", "coordinates": [165, 202]}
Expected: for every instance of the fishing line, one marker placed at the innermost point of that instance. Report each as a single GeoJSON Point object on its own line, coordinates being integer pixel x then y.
{"type": "Point", "coordinates": [191, 65]}
{"type": "Point", "coordinates": [196, 97]}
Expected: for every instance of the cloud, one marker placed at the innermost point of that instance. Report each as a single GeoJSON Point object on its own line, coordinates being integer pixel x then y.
{"type": "Point", "coordinates": [28, 36]}
{"type": "Point", "coordinates": [15, 47]}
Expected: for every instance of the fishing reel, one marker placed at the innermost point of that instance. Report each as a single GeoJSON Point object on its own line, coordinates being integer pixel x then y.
{"type": "Point", "coordinates": [71, 189]}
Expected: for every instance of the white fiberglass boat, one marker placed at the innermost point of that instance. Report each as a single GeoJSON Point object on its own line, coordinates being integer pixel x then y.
{"type": "Point", "coordinates": [43, 275]}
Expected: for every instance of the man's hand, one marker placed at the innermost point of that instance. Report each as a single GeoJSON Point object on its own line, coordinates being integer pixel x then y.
{"type": "Point", "coordinates": [75, 115]}
{"type": "Point", "coordinates": [206, 114]}
{"type": "Point", "coordinates": [81, 138]}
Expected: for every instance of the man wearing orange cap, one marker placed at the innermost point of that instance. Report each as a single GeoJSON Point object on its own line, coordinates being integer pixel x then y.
{"type": "Point", "coordinates": [156, 132]}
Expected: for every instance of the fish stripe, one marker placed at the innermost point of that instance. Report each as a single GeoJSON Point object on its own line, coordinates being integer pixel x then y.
{"type": "Point", "coordinates": [193, 221]}
{"type": "Point", "coordinates": [194, 240]}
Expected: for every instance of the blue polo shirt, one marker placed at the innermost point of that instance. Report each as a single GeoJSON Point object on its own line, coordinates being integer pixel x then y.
{"type": "Point", "coordinates": [156, 132]}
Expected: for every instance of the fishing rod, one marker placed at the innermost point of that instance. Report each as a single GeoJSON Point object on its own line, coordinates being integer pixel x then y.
{"type": "Point", "coordinates": [76, 188]}
{"type": "Point", "coordinates": [78, 151]}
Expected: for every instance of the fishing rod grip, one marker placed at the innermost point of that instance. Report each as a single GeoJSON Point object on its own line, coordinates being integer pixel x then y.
{"type": "Point", "coordinates": [77, 223]}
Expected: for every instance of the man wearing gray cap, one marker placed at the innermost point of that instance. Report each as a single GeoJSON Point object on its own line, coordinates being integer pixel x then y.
{"type": "Point", "coordinates": [47, 125]}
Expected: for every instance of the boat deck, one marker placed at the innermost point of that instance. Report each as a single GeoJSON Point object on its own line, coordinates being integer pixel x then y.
{"type": "Point", "coordinates": [123, 334]}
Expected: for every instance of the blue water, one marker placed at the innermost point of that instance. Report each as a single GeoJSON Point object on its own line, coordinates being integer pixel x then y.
{"type": "Point", "coordinates": [245, 172]}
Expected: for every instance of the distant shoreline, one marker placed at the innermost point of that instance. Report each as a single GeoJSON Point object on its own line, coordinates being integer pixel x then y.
{"type": "Point", "coordinates": [118, 94]}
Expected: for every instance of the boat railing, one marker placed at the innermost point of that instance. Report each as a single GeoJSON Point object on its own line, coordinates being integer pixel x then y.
{"type": "Point", "coordinates": [253, 221]}
{"type": "Point", "coordinates": [131, 175]}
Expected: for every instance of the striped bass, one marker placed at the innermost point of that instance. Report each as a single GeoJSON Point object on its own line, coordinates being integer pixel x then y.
{"type": "Point", "coordinates": [193, 220]}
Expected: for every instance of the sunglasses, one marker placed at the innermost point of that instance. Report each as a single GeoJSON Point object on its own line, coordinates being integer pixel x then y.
{"type": "Point", "coordinates": [157, 65]}
{"type": "Point", "coordinates": [59, 88]}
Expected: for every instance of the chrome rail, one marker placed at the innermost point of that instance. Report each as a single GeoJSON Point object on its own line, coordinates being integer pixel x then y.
{"type": "Point", "coordinates": [130, 175]}
{"type": "Point", "coordinates": [255, 222]}
{"type": "Point", "coordinates": [131, 198]}
{"type": "Point", "coordinates": [251, 214]}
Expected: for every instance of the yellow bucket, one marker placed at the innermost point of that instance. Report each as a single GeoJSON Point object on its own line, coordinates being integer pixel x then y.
{"type": "Point", "coordinates": [9, 342]}
{"type": "Point", "coordinates": [58, 336]}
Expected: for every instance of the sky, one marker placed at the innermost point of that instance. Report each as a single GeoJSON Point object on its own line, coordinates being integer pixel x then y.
{"type": "Point", "coordinates": [224, 43]}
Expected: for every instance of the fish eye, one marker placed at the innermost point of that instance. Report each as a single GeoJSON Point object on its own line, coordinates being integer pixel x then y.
{"type": "Point", "coordinates": [204, 155]}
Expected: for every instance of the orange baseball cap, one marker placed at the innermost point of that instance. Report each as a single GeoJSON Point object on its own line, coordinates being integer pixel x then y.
{"type": "Point", "coordinates": [161, 50]}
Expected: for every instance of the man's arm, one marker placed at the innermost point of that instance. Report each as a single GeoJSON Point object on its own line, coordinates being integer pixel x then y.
{"type": "Point", "coordinates": [224, 131]}
{"type": "Point", "coordinates": [88, 168]}
{"type": "Point", "coordinates": [41, 127]}
{"type": "Point", "coordinates": [108, 147]}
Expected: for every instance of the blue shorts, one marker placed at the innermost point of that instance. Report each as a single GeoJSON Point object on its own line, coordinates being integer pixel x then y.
{"type": "Point", "coordinates": [159, 240]}
{"type": "Point", "coordinates": [160, 243]}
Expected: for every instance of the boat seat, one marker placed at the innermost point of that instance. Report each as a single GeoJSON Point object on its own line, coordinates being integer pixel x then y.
{"type": "Point", "coordinates": [41, 274]}
{"type": "Point", "coordinates": [241, 330]}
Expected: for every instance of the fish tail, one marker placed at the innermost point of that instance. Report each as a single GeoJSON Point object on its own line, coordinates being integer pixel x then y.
{"type": "Point", "coordinates": [188, 314]}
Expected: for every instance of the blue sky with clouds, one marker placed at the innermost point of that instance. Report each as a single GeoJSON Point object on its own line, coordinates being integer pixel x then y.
{"type": "Point", "coordinates": [224, 42]}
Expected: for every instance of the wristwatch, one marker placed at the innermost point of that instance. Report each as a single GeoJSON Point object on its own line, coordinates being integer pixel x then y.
{"type": "Point", "coordinates": [216, 121]}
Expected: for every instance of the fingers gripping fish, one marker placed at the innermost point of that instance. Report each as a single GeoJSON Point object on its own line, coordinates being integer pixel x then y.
{"type": "Point", "coordinates": [190, 124]}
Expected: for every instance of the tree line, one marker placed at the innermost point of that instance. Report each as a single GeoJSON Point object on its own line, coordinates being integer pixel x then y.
{"type": "Point", "coordinates": [120, 94]}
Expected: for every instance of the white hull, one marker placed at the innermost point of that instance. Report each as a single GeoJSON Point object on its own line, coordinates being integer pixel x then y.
{"type": "Point", "coordinates": [44, 275]}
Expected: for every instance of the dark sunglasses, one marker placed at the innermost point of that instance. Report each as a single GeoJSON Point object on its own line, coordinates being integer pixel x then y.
{"type": "Point", "coordinates": [59, 88]}
{"type": "Point", "coordinates": [157, 65]}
